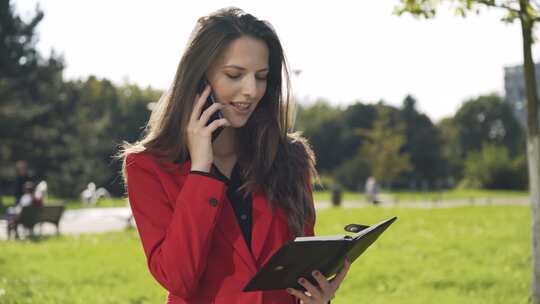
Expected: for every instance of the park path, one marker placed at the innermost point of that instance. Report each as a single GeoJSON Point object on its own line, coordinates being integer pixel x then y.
{"type": "Point", "coordinates": [88, 220]}
{"type": "Point", "coordinates": [98, 220]}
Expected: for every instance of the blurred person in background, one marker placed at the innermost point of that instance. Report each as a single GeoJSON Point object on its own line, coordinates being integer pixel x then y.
{"type": "Point", "coordinates": [22, 176]}
{"type": "Point", "coordinates": [27, 199]}
{"type": "Point", "coordinates": [372, 190]}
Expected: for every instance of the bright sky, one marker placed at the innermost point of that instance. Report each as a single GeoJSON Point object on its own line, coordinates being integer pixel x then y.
{"type": "Point", "coordinates": [346, 50]}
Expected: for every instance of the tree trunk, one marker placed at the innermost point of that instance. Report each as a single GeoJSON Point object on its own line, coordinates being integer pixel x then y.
{"type": "Point", "coordinates": [533, 146]}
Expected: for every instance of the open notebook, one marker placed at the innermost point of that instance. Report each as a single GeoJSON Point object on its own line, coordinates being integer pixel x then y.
{"type": "Point", "coordinates": [305, 254]}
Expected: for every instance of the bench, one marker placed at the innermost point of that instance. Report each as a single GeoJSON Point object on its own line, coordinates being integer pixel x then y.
{"type": "Point", "coordinates": [32, 215]}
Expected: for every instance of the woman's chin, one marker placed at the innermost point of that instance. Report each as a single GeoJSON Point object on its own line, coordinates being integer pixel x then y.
{"type": "Point", "coordinates": [238, 123]}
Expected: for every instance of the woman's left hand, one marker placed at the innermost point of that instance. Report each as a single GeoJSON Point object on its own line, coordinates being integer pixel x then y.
{"type": "Point", "coordinates": [326, 289]}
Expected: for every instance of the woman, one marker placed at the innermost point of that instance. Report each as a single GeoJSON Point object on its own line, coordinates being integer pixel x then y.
{"type": "Point", "coordinates": [210, 213]}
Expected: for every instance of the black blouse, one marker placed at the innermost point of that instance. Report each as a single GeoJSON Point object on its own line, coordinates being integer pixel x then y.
{"type": "Point", "coordinates": [242, 207]}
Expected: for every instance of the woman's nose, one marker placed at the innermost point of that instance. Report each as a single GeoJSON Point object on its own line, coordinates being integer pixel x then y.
{"type": "Point", "coordinates": [249, 87]}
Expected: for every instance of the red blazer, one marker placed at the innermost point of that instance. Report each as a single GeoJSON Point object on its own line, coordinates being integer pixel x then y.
{"type": "Point", "coordinates": [192, 241]}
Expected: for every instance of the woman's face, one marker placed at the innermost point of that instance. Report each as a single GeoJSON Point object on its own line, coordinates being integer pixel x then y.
{"type": "Point", "coordinates": [238, 78]}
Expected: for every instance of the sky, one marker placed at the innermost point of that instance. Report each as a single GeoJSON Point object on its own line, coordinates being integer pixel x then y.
{"type": "Point", "coordinates": [346, 51]}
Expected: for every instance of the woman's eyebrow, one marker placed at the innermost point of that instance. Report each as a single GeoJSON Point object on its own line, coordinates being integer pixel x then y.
{"type": "Point", "coordinates": [243, 69]}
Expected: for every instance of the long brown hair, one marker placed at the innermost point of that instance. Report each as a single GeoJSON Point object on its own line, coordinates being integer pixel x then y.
{"type": "Point", "coordinates": [271, 159]}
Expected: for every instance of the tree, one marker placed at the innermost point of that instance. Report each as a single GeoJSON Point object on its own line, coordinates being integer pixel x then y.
{"type": "Point", "coordinates": [451, 149]}
{"type": "Point", "coordinates": [101, 117]}
{"type": "Point", "coordinates": [488, 119]}
{"type": "Point", "coordinates": [382, 151]}
{"type": "Point", "coordinates": [492, 168]}
{"type": "Point", "coordinates": [331, 131]}
{"type": "Point", "coordinates": [30, 92]}
{"type": "Point", "coordinates": [356, 116]}
{"type": "Point", "coordinates": [66, 130]}
{"type": "Point", "coordinates": [483, 120]}
{"type": "Point", "coordinates": [427, 163]}
{"type": "Point", "coordinates": [322, 125]}
{"type": "Point", "coordinates": [527, 13]}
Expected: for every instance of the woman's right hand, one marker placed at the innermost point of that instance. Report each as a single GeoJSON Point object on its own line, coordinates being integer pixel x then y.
{"type": "Point", "coordinates": [199, 136]}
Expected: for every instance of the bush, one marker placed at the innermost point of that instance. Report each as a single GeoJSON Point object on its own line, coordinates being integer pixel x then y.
{"type": "Point", "coordinates": [324, 183]}
{"type": "Point", "coordinates": [352, 174]}
{"type": "Point", "coordinates": [492, 168]}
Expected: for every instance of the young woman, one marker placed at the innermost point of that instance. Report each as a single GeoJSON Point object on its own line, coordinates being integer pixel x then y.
{"type": "Point", "coordinates": [210, 213]}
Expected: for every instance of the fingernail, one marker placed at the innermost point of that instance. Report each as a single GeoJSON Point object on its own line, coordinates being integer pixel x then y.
{"type": "Point", "coordinates": [316, 273]}
{"type": "Point", "coordinates": [301, 280]}
{"type": "Point", "coordinates": [289, 290]}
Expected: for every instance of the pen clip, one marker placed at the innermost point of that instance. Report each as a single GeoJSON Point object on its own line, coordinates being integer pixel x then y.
{"type": "Point", "coordinates": [354, 228]}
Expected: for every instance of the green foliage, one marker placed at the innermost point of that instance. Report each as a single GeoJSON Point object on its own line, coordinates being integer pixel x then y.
{"type": "Point", "coordinates": [492, 168]}
{"type": "Point", "coordinates": [383, 149]}
{"type": "Point", "coordinates": [488, 119]}
{"type": "Point", "coordinates": [428, 8]}
{"type": "Point", "coordinates": [324, 183]}
{"type": "Point", "coordinates": [353, 173]}
{"type": "Point", "coordinates": [320, 123]}
{"type": "Point", "coordinates": [422, 8]}
{"type": "Point", "coordinates": [330, 130]}
{"type": "Point", "coordinates": [451, 149]}
{"type": "Point", "coordinates": [67, 131]}
{"type": "Point", "coordinates": [485, 119]}
{"type": "Point", "coordinates": [424, 145]}
{"type": "Point", "coordinates": [312, 117]}
{"type": "Point", "coordinates": [355, 116]}
{"type": "Point", "coordinates": [453, 255]}
{"type": "Point", "coordinates": [30, 87]}
{"type": "Point", "coordinates": [333, 134]}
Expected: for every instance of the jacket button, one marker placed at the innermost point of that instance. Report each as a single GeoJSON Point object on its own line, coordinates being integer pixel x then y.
{"type": "Point", "coordinates": [213, 202]}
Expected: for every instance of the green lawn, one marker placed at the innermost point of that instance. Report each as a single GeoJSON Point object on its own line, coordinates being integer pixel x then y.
{"type": "Point", "coordinates": [456, 194]}
{"type": "Point", "coordinates": [450, 255]}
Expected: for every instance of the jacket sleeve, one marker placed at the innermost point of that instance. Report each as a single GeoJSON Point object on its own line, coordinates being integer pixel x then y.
{"type": "Point", "coordinates": [176, 240]}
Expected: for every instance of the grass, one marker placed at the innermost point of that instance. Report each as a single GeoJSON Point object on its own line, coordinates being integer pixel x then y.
{"type": "Point", "coordinates": [455, 194]}
{"type": "Point", "coordinates": [106, 268]}
{"type": "Point", "coordinates": [452, 255]}
{"type": "Point", "coordinates": [469, 254]}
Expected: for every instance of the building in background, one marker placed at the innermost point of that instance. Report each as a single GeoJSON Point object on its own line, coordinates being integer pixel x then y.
{"type": "Point", "coordinates": [514, 88]}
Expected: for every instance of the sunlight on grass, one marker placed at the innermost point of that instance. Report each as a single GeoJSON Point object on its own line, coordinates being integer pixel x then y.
{"type": "Point", "coordinates": [456, 194]}
{"type": "Point", "coordinates": [448, 255]}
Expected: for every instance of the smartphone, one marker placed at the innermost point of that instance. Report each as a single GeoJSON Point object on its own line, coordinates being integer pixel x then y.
{"type": "Point", "coordinates": [209, 101]}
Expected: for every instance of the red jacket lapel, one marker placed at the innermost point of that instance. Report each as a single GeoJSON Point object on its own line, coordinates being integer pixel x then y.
{"type": "Point", "coordinates": [263, 218]}
{"type": "Point", "coordinates": [229, 228]}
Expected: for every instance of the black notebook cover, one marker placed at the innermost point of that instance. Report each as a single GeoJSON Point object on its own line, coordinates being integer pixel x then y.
{"type": "Point", "coordinates": [305, 254]}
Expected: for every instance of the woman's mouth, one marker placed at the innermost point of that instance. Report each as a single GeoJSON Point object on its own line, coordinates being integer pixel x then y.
{"type": "Point", "coordinates": [241, 107]}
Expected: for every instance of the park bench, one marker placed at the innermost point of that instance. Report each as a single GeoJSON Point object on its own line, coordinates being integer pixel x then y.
{"type": "Point", "coordinates": [30, 216]}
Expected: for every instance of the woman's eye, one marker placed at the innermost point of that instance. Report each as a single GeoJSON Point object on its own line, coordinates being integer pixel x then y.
{"type": "Point", "coordinates": [233, 76]}
{"type": "Point", "coordinates": [263, 77]}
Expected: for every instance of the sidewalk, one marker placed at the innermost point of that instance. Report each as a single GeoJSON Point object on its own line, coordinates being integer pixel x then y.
{"type": "Point", "coordinates": [90, 220]}
{"type": "Point", "coordinates": [97, 220]}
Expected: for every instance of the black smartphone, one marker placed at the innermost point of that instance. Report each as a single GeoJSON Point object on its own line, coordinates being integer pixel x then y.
{"type": "Point", "coordinates": [209, 101]}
